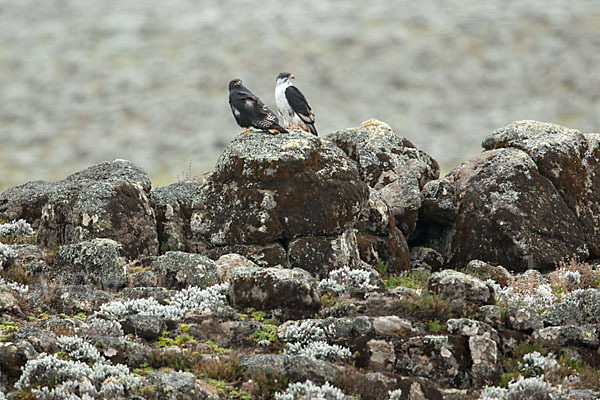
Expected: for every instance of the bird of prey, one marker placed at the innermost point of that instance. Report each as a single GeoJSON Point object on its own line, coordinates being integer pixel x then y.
{"type": "Point", "coordinates": [249, 111]}
{"type": "Point", "coordinates": [292, 105]}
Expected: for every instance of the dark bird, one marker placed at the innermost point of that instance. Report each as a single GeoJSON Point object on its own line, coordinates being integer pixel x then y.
{"type": "Point", "coordinates": [292, 105]}
{"type": "Point", "coordinates": [249, 111]}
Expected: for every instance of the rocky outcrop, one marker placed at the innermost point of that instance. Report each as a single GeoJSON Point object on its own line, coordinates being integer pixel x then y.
{"type": "Point", "coordinates": [108, 200]}
{"type": "Point", "coordinates": [510, 214]}
{"type": "Point", "coordinates": [291, 220]}
{"type": "Point", "coordinates": [266, 188]}
{"type": "Point", "coordinates": [569, 159]}
{"type": "Point", "coordinates": [392, 165]}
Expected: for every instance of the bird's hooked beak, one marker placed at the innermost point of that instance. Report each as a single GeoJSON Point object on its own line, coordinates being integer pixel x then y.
{"type": "Point", "coordinates": [292, 77]}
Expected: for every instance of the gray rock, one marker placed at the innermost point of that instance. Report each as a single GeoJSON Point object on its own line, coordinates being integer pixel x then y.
{"type": "Point", "coordinates": [390, 164]}
{"type": "Point", "coordinates": [178, 386]}
{"type": "Point", "coordinates": [458, 288]}
{"type": "Point", "coordinates": [271, 363]}
{"type": "Point", "coordinates": [569, 159]}
{"type": "Point", "coordinates": [321, 254]}
{"type": "Point", "coordinates": [500, 219]}
{"type": "Point", "coordinates": [148, 327]}
{"type": "Point", "coordinates": [491, 315]}
{"type": "Point", "coordinates": [173, 209]}
{"type": "Point", "coordinates": [108, 200]}
{"type": "Point", "coordinates": [269, 255]}
{"type": "Point", "coordinates": [485, 271]}
{"type": "Point", "coordinates": [25, 202]}
{"type": "Point", "coordinates": [468, 327]}
{"type": "Point", "coordinates": [42, 340]}
{"type": "Point", "coordinates": [9, 304]}
{"type": "Point", "coordinates": [179, 270]}
{"type": "Point", "coordinates": [269, 187]}
{"type": "Point", "coordinates": [301, 368]}
{"type": "Point", "coordinates": [79, 298]}
{"type": "Point", "coordinates": [228, 262]}
{"type": "Point", "coordinates": [391, 326]}
{"type": "Point", "coordinates": [98, 261]}
{"type": "Point", "coordinates": [580, 307]}
{"type": "Point", "coordinates": [486, 360]}
{"type": "Point", "coordinates": [439, 202]}
{"type": "Point", "coordinates": [294, 291]}
{"type": "Point", "coordinates": [523, 319]}
{"type": "Point", "coordinates": [426, 258]}
{"type": "Point", "coordinates": [159, 294]}
{"type": "Point", "coordinates": [13, 357]}
{"type": "Point", "coordinates": [377, 236]}
{"type": "Point", "coordinates": [444, 359]}
{"type": "Point", "coordinates": [569, 335]}
{"type": "Point", "coordinates": [382, 355]}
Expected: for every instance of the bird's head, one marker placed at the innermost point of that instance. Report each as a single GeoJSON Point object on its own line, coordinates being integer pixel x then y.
{"type": "Point", "coordinates": [235, 83]}
{"type": "Point", "coordinates": [285, 77]}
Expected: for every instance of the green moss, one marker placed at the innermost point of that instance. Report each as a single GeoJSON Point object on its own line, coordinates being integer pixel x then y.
{"type": "Point", "coordinates": [434, 326]}
{"type": "Point", "coordinates": [413, 279]}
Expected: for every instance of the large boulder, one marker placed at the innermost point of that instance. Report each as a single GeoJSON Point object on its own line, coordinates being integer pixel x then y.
{"type": "Point", "coordinates": [107, 200]}
{"type": "Point", "coordinates": [390, 164]}
{"type": "Point", "coordinates": [272, 187]}
{"type": "Point", "coordinates": [569, 159]}
{"type": "Point", "coordinates": [510, 214]}
{"type": "Point", "coordinates": [294, 291]}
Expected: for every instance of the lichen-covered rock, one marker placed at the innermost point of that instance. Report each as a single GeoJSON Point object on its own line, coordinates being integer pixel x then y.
{"type": "Point", "coordinates": [108, 200]}
{"type": "Point", "coordinates": [485, 271]}
{"type": "Point", "coordinates": [569, 335]}
{"type": "Point", "coordinates": [442, 358]}
{"type": "Point", "coordinates": [179, 270]}
{"type": "Point", "coordinates": [580, 307]}
{"type": "Point", "coordinates": [523, 319]}
{"type": "Point", "coordinates": [320, 255]}
{"type": "Point", "coordinates": [439, 203]}
{"type": "Point", "coordinates": [569, 159]}
{"type": "Point", "coordinates": [377, 236]}
{"type": "Point", "coordinates": [80, 298]}
{"type": "Point", "coordinates": [173, 209]}
{"type": "Point", "coordinates": [382, 353]}
{"type": "Point", "coordinates": [293, 290]}
{"type": "Point", "coordinates": [97, 261]}
{"type": "Point", "coordinates": [458, 288]}
{"type": "Point", "coordinates": [391, 326]}
{"type": "Point", "coordinates": [13, 356]}
{"type": "Point", "coordinates": [469, 327]}
{"type": "Point", "coordinates": [486, 360]}
{"type": "Point", "coordinates": [302, 368]}
{"type": "Point", "coordinates": [178, 385]}
{"type": "Point", "coordinates": [271, 187]}
{"type": "Point", "coordinates": [510, 214]}
{"type": "Point", "coordinates": [268, 255]}
{"type": "Point", "coordinates": [25, 202]}
{"type": "Point", "coordinates": [146, 326]}
{"type": "Point", "coordinates": [426, 258]}
{"type": "Point", "coordinates": [390, 164]}
{"type": "Point", "coordinates": [228, 262]}
{"type": "Point", "coordinates": [42, 340]}
{"type": "Point", "coordinates": [9, 304]}
{"type": "Point", "coordinates": [491, 315]}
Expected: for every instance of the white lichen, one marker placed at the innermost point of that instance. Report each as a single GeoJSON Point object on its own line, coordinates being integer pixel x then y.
{"type": "Point", "coordinates": [308, 390]}
{"type": "Point", "coordinates": [344, 279]}
{"type": "Point", "coordinates": [16, 229]}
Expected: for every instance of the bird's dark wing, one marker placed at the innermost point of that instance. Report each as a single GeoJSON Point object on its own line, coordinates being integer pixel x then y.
{"type": "Point", "coordinates": [299, 104]}
{"type": "Point", "coordinates": [256, 112]}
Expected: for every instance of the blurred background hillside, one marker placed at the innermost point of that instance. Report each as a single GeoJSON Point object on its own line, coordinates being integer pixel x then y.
{"type": "Point", "coordinates": [87, 81]}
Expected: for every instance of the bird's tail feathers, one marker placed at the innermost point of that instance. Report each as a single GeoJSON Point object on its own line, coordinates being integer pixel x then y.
{"type": "Point", "coordinates": [313, 130]}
